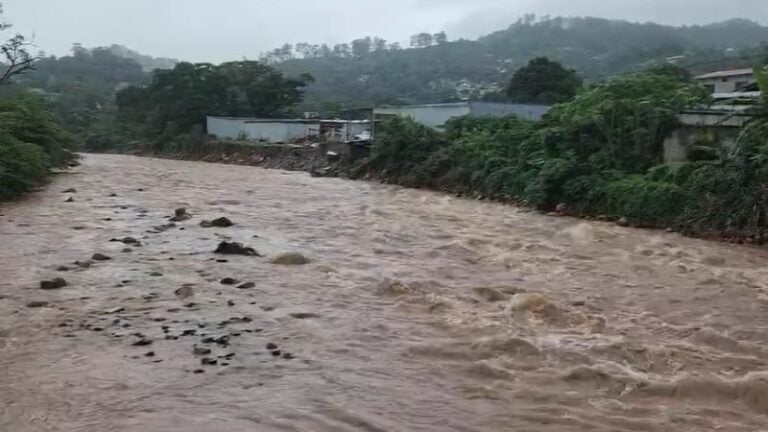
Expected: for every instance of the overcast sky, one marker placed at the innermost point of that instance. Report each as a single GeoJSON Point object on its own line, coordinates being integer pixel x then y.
{"type": "Point", "coordinates": [219, 30]}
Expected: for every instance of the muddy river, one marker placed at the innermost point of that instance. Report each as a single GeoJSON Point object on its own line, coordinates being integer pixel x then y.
{"type": "Point", "coordinates": [417, 312]}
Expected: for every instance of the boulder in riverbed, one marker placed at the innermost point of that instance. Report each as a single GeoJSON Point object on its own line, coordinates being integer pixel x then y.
{"type": "Point", "coordinates": [234, 248]}
{"type": "Point", "coordinates": [53, 284]}
{"type": "Point", "coordinates": [221, 222]}
{"type": "Point", "coordinates": [180, 215]}
{"type": "Point", "coordinates": [229, 281]}
{"type": "Point", "coordinates": [100, 257]}
{"type": "Point", "coordinates": [126, 240]}
{"type": "Point", "coordinates": [247, 285]}
{"type": "Point", "coordinates": [70, 190]}
{"type": "Point", "coordinates": [184, 292]}
{"type": "Point", "coordinates": [37, 304]}
{"type": "Point", "coordinates": [291, 258]}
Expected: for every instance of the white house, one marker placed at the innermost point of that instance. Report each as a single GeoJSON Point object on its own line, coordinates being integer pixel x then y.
{"type": "Point", "coordinates": [436, 115]}
{"type": "Point", "coordinates": [727, 81]}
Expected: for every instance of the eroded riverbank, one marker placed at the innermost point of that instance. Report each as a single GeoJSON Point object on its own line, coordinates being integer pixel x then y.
{"type": "Point", "coordinates": [418, 312]}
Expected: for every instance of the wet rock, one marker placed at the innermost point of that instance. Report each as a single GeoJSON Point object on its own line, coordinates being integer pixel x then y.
{"type": "Point", "coordinates": [180, 215]}
{"type": "Point", "coordinates": [112, 195]}
{"type": "Point", "coordinates": [292, 259]}
{"type": "Point", "coordinates": [304, 315]}
{"type": "Point", "coordinates": [277, 353]}
{"type": "Point", "coordinates": [561, 209]}
{"type": "Point", "coordinates": [100, 257]}
{"type": "Point", "coordinates": [70, 190]}
{"type": "Point", "coordinates": [221, 222]}
{"type": "Point", "coordinates": [84, 264]}
{"type": "Point", "coordinates": [198, 371]}
{"type": "Point", "coordinates": [229, 281]}
{"type": "Point", "coordinates": [62, 269]}
{"type": "Point", "coordinates": [53, 284]}
{"type": "Point", "coordinates": [184, 292]}
{"type": "Point", "coordinates": [288, 356]}
{"type": "Point", "coordinates": [234, 248]}
{"type": "Point", "coordinates": [201, 351]}
{"type": "Point", "coordinates": [36, 304]}
{"type": "Point", "coordinates": [127, 240]}
{"type": "Point", "coordinates": [70, 200]}
{"type": "Point", "coordinates": [115, 310]}
{"type": "Point", "coordinates": [150, 354]}
{"type": "Point", "coordinates": [191, 332]}
{"type": "Point", "coordinates": [127, 250]}
{"type": "Point", "coordinates": [143, 342]}
{"type": "Point", "coordinates": [209, 362]}
{"type": "Point", "coordinates": [166, 227]}
{"type": "Point", "coordinates": [247, 285]}
{"type": "Point", "coordinates": [230, 303]}
{"type": "Point", "coordinates": [624, 222]}
{"type": "Point", "coordinates": [220, 340]}
{"type": "Point", "coordinates": [272, 346]}
{"type": "Point", "coordinates": [155, 274]}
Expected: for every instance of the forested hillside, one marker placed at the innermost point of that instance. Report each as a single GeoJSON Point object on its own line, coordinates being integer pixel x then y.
{"type": "Point", "coordinates": [371, 70]}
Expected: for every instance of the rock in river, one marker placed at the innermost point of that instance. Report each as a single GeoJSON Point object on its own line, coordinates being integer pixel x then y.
{"type": "Point", "coordinates": [53, 284]}
{"type": "Point", "coordinates": [180, 215]}
{"type": "Point", "coordinates": [201, 351]}
{"type": "Point", "coordinates": [100, 257]}
{"type": "Point", "coordinates": [184, 292]}
{"type": "Point", "coordinates": [221, 222]}
{"type": "Point", "coordinates": [247, 285]}
{"type": "Point", "coordinates": [229, 281]}
{"type": "Point", "coordinates": [36, 304]}
{"type": "Point", "coordinates": [290, 259]}
{"type": "Point", "coordinates": [234, 248]}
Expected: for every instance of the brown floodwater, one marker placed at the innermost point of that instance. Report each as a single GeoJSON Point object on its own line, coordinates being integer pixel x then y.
{"type": "Point", "coordinates": [418, 312]}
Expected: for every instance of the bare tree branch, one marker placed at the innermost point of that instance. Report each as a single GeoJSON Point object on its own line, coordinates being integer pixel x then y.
{"type": "Point", "coordinates": [16, 51]}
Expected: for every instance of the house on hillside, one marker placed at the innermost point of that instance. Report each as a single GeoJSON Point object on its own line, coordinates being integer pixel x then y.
{"type": "Point", "coordinates": [436, 115]}
{"type": "Point", "coordinates": [727, 81]}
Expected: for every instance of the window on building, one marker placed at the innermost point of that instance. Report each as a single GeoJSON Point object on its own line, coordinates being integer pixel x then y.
{"type": "Point", "coordinates": [740, 85]}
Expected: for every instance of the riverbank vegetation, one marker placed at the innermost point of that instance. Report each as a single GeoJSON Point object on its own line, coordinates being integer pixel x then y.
{"type": "Point", "coordinates": [599, 155]}
{"type": "Point", "coordinates": [32, 142]}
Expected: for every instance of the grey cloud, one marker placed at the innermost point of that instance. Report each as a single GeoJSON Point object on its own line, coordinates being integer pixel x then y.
{"type": "Point", "coordinates": [208, 30]}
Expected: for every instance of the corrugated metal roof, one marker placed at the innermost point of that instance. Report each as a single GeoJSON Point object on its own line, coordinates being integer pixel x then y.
{"type": "Point", "coordinates": [726, 74]}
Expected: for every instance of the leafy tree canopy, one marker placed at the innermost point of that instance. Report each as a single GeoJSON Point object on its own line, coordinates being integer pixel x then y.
{"type": "Point", "coordinates": [543, 81]}
{"type": "Point", "coordinates": [184, 96]}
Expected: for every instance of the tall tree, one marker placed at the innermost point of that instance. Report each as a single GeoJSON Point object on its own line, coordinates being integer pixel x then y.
{"type": "Point", "coordinates": [181, 98]}
{"type": "Point", "coordinates": [421, 40]}
{"type": "Point", "coordinates": [440, 38]}
{"type": "Point", "coordinates": [543, 81]}
{"type": "Point", "coordinates": [361, 47]}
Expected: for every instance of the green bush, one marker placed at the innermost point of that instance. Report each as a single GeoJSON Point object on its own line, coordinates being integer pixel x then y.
{"type": "Point", "coordinates": [31, 144]}
{"type": "Point", "coordinates": [643, 201]}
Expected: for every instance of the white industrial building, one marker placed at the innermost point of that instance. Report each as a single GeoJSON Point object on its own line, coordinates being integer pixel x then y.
{"type": "Point", "coordinates": [436, 115]}
{"type": "Point", "coordinates": [286, 130]}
